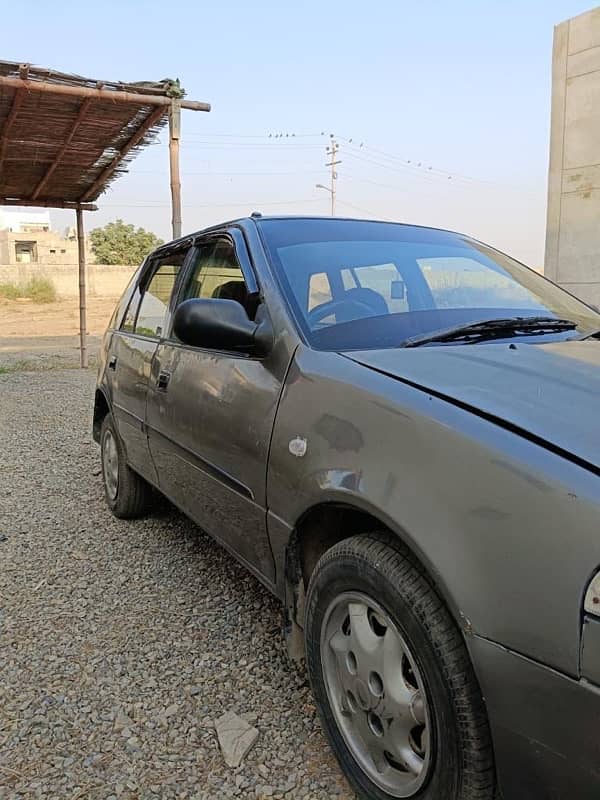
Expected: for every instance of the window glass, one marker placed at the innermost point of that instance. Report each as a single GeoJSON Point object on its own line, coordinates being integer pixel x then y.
{"type": "Point", "coordinates": [391, 283]}
{"type": "Point", "coordinates": [387, 282]}
{"type": "Point", "coordinates": [128, 304]}
{"type": "Point", "coordinates": [157, 294]}
{"type": "Point", "coordinates": [217, 273]}
{"type": "Point", "coordinates": [319, 290]}
{"type": "Point", "coordinates": [129, 320]}
{"type": "Point", "coordinates": [348, 279]}
{"type": "Point", "coordinates": [459, 282]}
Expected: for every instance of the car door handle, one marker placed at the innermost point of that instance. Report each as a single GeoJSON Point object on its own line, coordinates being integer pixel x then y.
{"type": "Point", "coordinates": [112, 364]}
{"type": "Point", "coordinates": [164, 376]}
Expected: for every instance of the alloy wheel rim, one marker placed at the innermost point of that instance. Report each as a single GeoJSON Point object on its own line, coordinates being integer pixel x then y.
{"type": "Point", "coordinates": [376, 693]}
{"type": "Point", "coordinates": [110, 464]}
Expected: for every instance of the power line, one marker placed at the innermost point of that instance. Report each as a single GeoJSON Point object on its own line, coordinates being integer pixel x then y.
{"type": "Point", "coordinates": [361, 155]}
{"type": "Point", "coordinates": [359, 208]}
{"type": "Point", "coordinates": [403, 170]}
{"type": "Point", "coordinates": [283, 140]}
{"type": "Point", "coordinates": [397, 187]}
{"type": "Point", "coordinates": [197, 143]}
{"type": "Point", "coordinates": [257, 136]}
{"type": "Point", "coordinates": [228, 172]}
{"type": "Point", "coordinates": [253, 203]}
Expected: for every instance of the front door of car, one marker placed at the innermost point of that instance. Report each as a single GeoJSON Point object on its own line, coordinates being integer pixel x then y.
{"type": "Point", "coordinates": [131, 352]}
{"type": "Point", "coordinates": [210, 414]}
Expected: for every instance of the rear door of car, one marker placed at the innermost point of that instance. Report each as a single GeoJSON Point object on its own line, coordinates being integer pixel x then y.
{"type": "Point", "coordinates": [132, 349]}
{"type": "Point", "coordinates": [210, 412]}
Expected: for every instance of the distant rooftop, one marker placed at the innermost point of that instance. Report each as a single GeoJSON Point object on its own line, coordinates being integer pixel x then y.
{"type": "Point", "coordinates": [14, 220]}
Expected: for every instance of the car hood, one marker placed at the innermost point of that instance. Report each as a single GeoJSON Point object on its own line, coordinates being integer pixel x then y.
{"type": "Point", "coordinates": [548, 391]}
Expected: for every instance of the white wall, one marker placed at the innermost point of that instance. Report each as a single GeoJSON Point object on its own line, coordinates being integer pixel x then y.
{"type": "Point", "coordinates": [573, 226]}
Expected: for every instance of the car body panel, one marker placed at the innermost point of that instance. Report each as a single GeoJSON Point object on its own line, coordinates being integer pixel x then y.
{"type": "Point", "coordinates": [209, 435]}
{"type": "Point", "coordinates": [127, 388]}
{"type": "Point", "coordinates": [590, 649]}
{"type": "Point", "coordinates": [551, 391]}
{"type": "Point", "coordinates": [544, 726]}
{"type": "Point", "coordinates": [491, 515]}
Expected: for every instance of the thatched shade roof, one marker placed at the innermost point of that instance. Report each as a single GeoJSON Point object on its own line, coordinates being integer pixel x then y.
{"type": "Point", "coordinates": [64, 139]}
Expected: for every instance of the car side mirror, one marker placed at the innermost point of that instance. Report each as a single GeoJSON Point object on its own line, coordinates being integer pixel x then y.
{"type": "Point", "coordinates": [222, 325]}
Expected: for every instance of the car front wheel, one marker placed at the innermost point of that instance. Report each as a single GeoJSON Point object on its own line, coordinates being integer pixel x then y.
{"type": "Point", "coordinates": [396, 691]}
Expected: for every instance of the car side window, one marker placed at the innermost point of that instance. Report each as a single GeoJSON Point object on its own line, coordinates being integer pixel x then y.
{"type": "Point", "coordinates": [217, 273]}
{"type": "Point", "coordinates": [150, 320]}
{"type": "Point", "coordinates": [128, 323]}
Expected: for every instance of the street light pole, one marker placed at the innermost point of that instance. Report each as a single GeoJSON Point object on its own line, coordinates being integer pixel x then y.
{"type": "Point", "coordinates": [331, 192]}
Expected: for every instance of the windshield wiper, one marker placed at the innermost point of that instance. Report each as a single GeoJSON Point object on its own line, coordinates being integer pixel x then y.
{"type": "Point", "coordinates": [493, 329]}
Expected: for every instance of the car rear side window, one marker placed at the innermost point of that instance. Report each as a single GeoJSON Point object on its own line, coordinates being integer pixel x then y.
{"type": "Point", "coordinates": [156, 296]}
{"type": "Point", "coordinates": [128, 323]}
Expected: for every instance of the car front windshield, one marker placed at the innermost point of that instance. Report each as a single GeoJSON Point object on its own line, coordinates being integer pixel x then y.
{"type": "Point", "coordinates": [359, 285]}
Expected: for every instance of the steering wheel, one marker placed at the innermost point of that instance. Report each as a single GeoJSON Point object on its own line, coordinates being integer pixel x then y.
{"type": "Point", "coordinates": [319, 313]}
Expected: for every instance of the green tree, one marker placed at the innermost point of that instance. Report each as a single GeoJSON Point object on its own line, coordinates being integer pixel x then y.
{"type": "Point", "coordinates": [118, 243]}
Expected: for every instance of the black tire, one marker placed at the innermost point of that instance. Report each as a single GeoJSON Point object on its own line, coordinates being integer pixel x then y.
{"type": "Point", "coordinates": [133, 495]}
{"type": "Point", "coordinates": [461, 765]}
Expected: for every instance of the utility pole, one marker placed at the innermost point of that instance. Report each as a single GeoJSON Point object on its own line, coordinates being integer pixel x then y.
{"type": "Point", "coordinates": [332, 151]}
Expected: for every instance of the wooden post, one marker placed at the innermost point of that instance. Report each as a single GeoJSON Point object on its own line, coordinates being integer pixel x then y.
{"type": "Point", "coordinates": [82, 293]}
{"type": "Point", "coordinates": [174, 133]}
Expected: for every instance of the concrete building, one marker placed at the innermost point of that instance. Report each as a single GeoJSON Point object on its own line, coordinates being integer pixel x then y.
{"type": "Point", "coordinates": [27, 238]}
{"type": "Point", "coordinates": [573, 227]}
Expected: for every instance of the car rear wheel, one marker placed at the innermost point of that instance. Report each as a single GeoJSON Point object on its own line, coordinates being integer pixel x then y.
{"type": "Point", "coordinates": [127, 494]}
{"type": "Point", "coordinates": [396, 691]}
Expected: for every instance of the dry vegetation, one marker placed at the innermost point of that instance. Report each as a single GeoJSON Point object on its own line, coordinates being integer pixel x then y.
{"type": "Point", "coordinates": [25, 318]}
{"type": "Point", "coordinates": [40, 290]}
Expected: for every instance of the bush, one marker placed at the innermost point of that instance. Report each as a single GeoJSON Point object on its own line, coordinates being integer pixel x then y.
{"type": "Point", "coordinates": [10, 290]}
{"type": "Point", "coordinates": [40, 290]}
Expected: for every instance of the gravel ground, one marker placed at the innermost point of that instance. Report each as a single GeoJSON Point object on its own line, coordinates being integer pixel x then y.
{"type": "Point", "coordinates": [121, 642]}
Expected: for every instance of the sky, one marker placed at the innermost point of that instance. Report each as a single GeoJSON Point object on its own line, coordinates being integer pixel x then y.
{"type": "Point", "coordinates": [441, 109]}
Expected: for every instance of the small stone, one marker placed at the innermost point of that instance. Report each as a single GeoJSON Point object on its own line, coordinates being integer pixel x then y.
{"type": "Point", "coordinates": [122, 721]}
{"type": "Point", "coordinates": [132, 745]}
{"type": "Point", "coordinates": [235, 736]}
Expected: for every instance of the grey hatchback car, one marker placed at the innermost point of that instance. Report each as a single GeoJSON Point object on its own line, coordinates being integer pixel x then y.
{"type": "Point", "coordinates": [395, 428]}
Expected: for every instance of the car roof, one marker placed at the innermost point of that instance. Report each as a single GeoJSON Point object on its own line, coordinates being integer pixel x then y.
{"type": "Point", "coordinates": [257, 217]}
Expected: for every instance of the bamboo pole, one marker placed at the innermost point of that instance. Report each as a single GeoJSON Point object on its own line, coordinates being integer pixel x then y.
{"type": "Point", "coordinates": [174, 135]}
{"type": "Point", "coordinates": [113, 95]}
{"type": "Point", "coordinates": [82, 292]}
